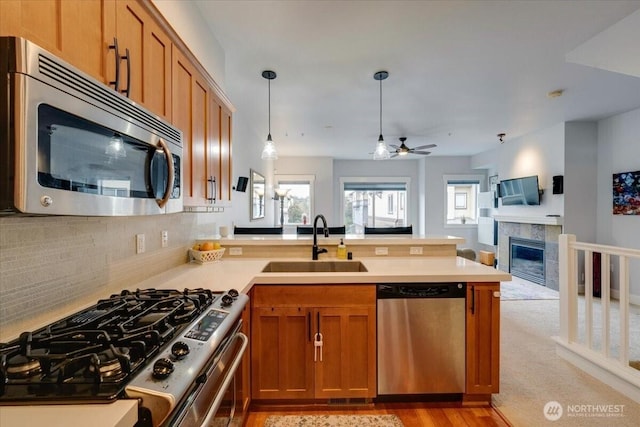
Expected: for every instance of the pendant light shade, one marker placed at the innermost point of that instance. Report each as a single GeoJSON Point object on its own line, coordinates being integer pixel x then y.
{"type": "Point", "coordinates": [382, 151]}
{"type": "Point", "coordinates": [269, 151]}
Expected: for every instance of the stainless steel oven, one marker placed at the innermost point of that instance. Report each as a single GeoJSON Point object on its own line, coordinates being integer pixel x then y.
{"type": "Point", "coordinates": [175, 353]}
{"type": "Point", "coordinates": [214, 400]}
{"type": "Point", "coordinates": [72, 146]}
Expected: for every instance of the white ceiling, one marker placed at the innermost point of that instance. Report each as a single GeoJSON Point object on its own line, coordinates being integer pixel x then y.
{"type": "Point", "coordinates": [460, 71]}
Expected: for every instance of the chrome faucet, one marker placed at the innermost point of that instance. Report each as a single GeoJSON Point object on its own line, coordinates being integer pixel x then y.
{"type": "Point", "coordinates": [315, 250]}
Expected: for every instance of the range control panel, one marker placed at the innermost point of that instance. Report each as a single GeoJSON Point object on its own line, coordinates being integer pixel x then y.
{"type": "Point", "coordinates": [207, 325]}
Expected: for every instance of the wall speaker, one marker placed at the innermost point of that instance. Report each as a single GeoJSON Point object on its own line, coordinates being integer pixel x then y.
{"type": "Point", "coordinates": [242, 184]}
{"type": "Point", "coordinates": [558, 184]}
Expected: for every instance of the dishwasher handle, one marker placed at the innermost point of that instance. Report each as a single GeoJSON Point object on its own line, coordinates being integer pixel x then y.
{"type": "Point", "coordinates": [421, 290]}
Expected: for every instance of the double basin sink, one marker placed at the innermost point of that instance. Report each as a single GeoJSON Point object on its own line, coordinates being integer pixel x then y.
{"type": "Point", "coordinates": [314, 267]}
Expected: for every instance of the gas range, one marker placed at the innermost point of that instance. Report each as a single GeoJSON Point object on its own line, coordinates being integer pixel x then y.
{"type": "Point", "coordinates": [120, 347]}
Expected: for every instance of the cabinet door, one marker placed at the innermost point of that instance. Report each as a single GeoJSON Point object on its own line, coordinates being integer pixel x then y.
{"type": "Point", "coordinates": [281, 353]}
{"type": "Point", "coordinates": [348, 365]}
{"type": "Point", "coordinates": [77, 31]}
{"type": "Point", "coordinates": [483, 338]}
{"type": "Point", "coordinates": [219, 150]}
{"type": "Point", "coordinates": [190, 115]}
{"type": "Point", "coordinates": [148, 78]}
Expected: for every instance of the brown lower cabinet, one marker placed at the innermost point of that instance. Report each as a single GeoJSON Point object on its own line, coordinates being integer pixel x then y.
{"type": "Point", "coordinates": [285, 321]}
{"type": "Point", "coordinates": [483, 341]}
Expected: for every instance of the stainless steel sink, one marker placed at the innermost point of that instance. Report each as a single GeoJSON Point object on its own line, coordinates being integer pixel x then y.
{"type": "Point", "coordinates": [314, 267]}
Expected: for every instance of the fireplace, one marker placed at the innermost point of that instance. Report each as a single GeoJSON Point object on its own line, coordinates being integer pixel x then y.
{"type": "Point", "coordinates": [541, 233]}
{"type": "Point", "coordinates": [527, 259]}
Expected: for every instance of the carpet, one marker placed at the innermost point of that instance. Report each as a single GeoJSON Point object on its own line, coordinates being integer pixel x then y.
{"type": "Point", "coordinates": [333, 421]}
{"type": "Point", "coordinates": [520, 289]}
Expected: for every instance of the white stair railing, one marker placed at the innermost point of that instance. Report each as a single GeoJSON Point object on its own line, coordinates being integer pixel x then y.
{"type": "Point", "coordinates": [585, 353]}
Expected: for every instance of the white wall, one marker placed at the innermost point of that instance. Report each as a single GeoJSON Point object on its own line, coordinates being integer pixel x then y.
{"type": "Point", "coordinates": [618, 151]}
{"type": "Point", "coordinates": [539, 153]}
{"type": "Point", "coordinates": [435, 168]}
{"type": "Point", "coordinates": [580, 180]}
{"type": "Point", "coordinates": [186, 19]}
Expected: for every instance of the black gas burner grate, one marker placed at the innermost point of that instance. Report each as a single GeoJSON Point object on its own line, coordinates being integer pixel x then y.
{"type": "Point", "coordinates": [90, 355]}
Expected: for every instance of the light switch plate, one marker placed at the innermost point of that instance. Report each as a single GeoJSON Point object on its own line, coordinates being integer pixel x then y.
{"type": "Point", "coordinates": [235, 251]}
{"type": "Point", "coordinates": [382, 251]}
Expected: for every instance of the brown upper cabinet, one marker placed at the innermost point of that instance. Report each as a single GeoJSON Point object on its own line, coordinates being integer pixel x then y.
{"type": "Point", "coordinates": [145, 58]}
{"type": "Point", "coordinates": [150, 65]}
{"type": "Point", "coordinates": [85, 34]}
{"type": "Point", "coordinates": [74, 30]}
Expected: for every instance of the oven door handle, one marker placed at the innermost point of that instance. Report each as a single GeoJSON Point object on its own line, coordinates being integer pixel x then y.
{"type": "Point", "coordinates": [231, 374]}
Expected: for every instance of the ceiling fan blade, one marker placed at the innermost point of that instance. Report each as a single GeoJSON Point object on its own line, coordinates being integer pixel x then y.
{"type": "Point", "coordinates": [422, 147]}
{"type": "Point", "coordinates": [393, 155]}
{"type": "Point", "coordinates": [394, 146]}
{"type": "Point", "coordinates": [421, 152]}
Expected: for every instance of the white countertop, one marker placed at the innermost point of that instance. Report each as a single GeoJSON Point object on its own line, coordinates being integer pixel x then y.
{"type": "Point", "coordinates": [121, 413]}
{"type": "Point", "coordinates": [241, 274]}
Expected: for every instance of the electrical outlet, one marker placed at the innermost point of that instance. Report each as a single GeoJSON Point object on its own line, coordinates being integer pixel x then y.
{"type": "Point", "coordinates": [235, 251]}
{"type": "Point", "coordinates": [165, 238]}
{"type": "Point", "coordinates": [415, 250]}
{"type": "Point", "coordinates": [140, 243]}
{"type": "Point", "coordinates": [382, 251]}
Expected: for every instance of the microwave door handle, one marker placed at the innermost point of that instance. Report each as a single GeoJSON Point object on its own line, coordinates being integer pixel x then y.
{"type": "Point", "coordinates": [169, 188]}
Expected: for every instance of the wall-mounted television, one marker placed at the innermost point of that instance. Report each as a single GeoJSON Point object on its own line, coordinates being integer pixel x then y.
{"type": "Point", "coordinates": [520, 191]}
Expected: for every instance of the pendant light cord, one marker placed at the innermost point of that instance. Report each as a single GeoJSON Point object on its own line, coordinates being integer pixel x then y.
{"type": "Point", "coordinates": [269, 107]}
{"type": "Point", "coordinates": [380, 107]}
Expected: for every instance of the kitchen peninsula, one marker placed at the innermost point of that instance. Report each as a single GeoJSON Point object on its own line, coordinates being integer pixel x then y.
{"type": "Point", "coordinates": [348, 296]}
{"type": "Point", "coordinates": [304, 298]}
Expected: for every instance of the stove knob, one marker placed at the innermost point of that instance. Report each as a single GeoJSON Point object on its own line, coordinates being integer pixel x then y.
{"type": "Point", "coordinates": [162, 368]}
{"type": "Point", "coordinates": [179, 350]}
{"type": "Point", "coordinates": [226, 300]}
{"type": "Point", "coordinates": [233, 293]}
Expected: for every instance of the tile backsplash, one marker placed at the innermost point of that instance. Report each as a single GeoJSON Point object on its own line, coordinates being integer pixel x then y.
{"type": "Point", "coordinates": [48, 264]}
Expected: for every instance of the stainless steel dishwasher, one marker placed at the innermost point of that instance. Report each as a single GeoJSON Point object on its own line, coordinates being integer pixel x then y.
{"type": "Point", "coordinates": [421, 338]}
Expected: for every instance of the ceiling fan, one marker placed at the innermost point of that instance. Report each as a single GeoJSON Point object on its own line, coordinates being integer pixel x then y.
{"type": "Point", "coordinates": [403, 150]}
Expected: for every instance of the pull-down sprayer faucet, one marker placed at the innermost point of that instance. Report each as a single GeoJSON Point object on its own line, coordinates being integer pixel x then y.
{"type": "Point", "coordinates": [315, 250]}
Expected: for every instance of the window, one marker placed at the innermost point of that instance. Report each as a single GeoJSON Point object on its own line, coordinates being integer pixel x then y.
{"type": "Point", "coordinates": [461, 195]}
{"type": "Point", "coordinates": [374, 203]}
{"type": "Point", "coordinates": [296, 207]}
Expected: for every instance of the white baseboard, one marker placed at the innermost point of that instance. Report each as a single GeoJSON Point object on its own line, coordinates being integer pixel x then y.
{"type": "Point", "coordinates": [626, 380]}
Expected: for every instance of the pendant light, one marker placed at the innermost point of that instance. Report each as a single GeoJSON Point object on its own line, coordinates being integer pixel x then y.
{"type": "Point", "coordinates": [269, 151]}
{"type": "Point", "coordinates": [382, 151]}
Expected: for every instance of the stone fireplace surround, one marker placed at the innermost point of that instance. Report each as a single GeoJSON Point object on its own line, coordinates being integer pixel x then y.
{"type": "Point", "coordinates": [544, 229]}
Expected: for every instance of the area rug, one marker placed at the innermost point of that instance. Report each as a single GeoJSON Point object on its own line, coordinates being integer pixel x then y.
{"type": "Point", "coordinates": [333, 421]}
{"type": "Point", "coordinates": [520, 289]}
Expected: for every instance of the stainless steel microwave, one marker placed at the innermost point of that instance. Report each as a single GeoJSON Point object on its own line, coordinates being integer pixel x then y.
{"type": "Point", "coordinates": [70, 145]}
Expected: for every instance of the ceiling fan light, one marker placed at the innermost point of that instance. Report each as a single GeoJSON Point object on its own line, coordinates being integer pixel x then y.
{"type": "Point", "coordinates": [269, 151]}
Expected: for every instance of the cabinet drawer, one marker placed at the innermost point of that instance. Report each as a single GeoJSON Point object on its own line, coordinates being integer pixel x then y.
{"type": "Point", "coordinates": [337, 295]}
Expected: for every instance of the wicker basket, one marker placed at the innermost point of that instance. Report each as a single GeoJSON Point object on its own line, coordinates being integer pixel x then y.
{"type": "Point", "coordinates": [203, 257]}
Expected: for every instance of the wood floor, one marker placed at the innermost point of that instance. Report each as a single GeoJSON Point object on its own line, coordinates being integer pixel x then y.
{"type": "Point", "coordinates": [411, 414]}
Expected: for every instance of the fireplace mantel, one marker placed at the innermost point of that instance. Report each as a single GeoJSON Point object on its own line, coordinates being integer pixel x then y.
{"type": "Point", "coordinates": [546, 220]}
